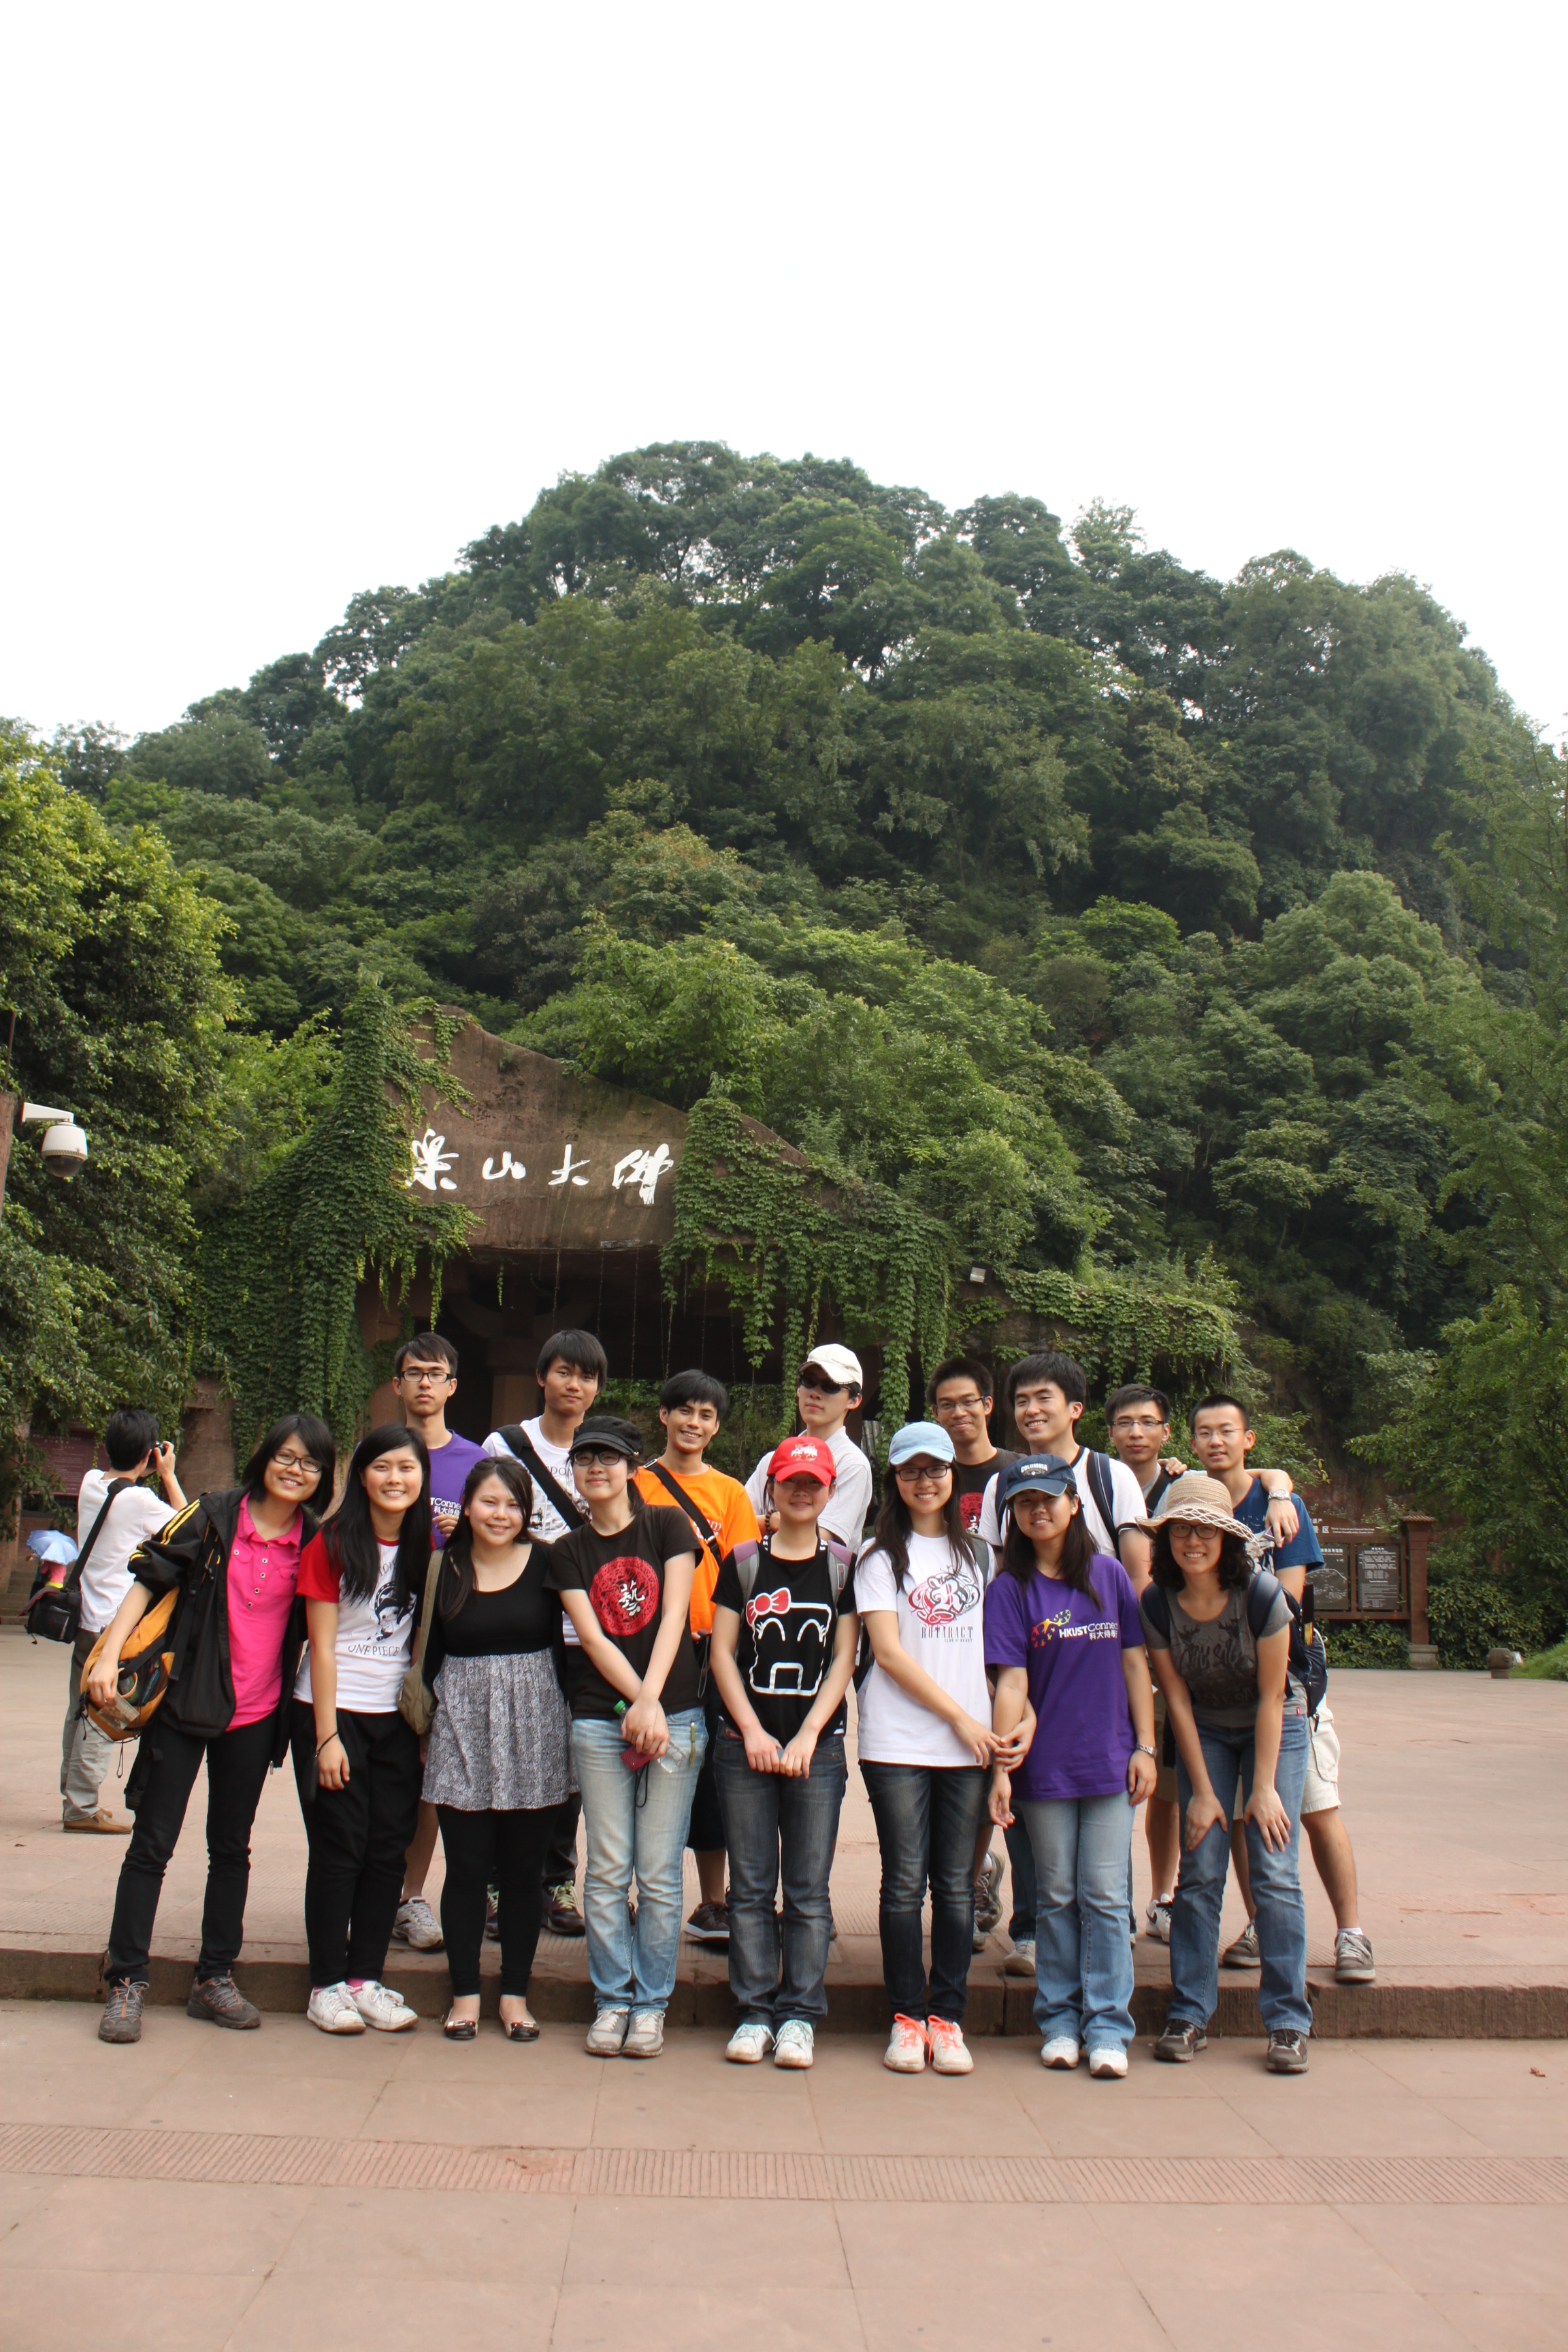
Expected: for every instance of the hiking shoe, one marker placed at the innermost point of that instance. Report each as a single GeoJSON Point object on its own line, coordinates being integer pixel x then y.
{"type": "Point", "coordinates": [644, 2034]}
{"type": "Point", "coordinates": [417, 1925]}
{"type": "Point", "coordinates": [1157, 1919]}
{"type": "Point", "coordinates": [561, 1915]}
{"type": "Point", "coordinates": [796, 2044]}
{"type": "Point", "coordinates": [1286, 2053]}
{"type": "Point", "coordinates": [1108, 2065]}
{"type": "Point", "coordinates": [492, 1916]}
{"type": "Point", "coordinates": [608, 2033]}
{"type": "Point", "coordinates": [909, 2047]}
{"type": "Point", "coordinates": [99, 1824]}
{"type": "Point", "coordinates": [381, 2007]}
{"type": "Point", "coordinates": [121, 2019]}
{"type": "Point", "coordinates": [708, 1924]}
{"type": "Point", "coordinates": [332, 2008]}
{"type": "Point", "coordinates": [1243, 1953]}
{"type": "Point", "coordinates": [1061, 2051]}
{"type": "Point", "coordinates": [1020, 1960]}
{"type": "Point", "coordinates": [221, 2002]}
{"type": "Point", "coordinates": [1353, 1957]}
{"type": "Point", "coordinates": [1180, 2042]}
{"type": "Point", "coordinates": [750, 2043]}
{"type": "Point", "coordinates": [987, 1899]}
{"type": "Point", "coordinates": [949, 2052]}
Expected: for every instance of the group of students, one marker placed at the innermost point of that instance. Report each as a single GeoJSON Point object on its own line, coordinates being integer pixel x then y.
{"type": "Point", "coordinates": [487, 1643]}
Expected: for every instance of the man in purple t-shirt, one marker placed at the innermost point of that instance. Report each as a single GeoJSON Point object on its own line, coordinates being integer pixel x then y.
{"type": "Point", "coordinates": [425, 1379]}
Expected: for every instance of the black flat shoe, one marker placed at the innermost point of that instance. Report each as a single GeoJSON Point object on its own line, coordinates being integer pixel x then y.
{"type": "Point", "coordinates": [461, 2028]}
{"type": "Point", "coordinates": [519, 2030]}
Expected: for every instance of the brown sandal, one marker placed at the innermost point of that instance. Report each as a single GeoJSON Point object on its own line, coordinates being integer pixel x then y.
{"type": "Point", "coordinates": [461, 2029]}
{"type": "Point", "coordinates": [521, 2028]}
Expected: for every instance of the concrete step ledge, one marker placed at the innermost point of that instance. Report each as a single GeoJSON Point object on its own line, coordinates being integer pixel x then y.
{"type": "Point", "coordinates": [1393, 2011]}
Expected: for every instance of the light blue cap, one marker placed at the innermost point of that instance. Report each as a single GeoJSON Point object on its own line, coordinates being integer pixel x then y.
{"type": "Point", "coordinates": [921, 1437]}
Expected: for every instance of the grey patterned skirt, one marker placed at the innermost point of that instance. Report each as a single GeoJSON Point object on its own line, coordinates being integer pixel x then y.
{"type": "Point", "coordinates": [501, 1738]}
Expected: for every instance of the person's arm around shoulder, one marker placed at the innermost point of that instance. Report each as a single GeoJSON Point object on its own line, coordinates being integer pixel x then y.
{"type": "Point", "coordinates": [1283, 1518]}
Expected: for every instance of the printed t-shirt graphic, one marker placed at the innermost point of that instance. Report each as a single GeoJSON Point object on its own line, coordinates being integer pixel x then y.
{"type": "Point", "coordinates": [1071, 1653]}
{"type": "Point", "coordinates": [784, 1646]}
{"type": "Point", "coordinates": [970, 1480]}
{"type": "Point", "coordinates": [376, 1635]}
{"type": "Point", "coordinates": [724, 1509]}
{"type": "Point", "coordinates": [623, 1576]}
{"type": "Point", "coordinates": [939, 1613]}
{"type": "Point", "coordinates": [449, 1467]}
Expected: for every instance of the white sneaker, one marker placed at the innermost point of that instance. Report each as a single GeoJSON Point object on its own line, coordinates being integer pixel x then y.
{"type": "Point", "coordinates": [334, 2010]}
{"type": "Point", "coordinates": [950, 2053]}
{"type": "Point", "coordinates": [909, 2047]}
{"type": "Point", "coordinates": [644, 2034]}
{"type": "Point", "coordinates": [1061, 2050]}
{"type": "Point", "coordinates": [607, 2033]}
{"type": "Point", "coordinates": [750, 2044]}
{"type": "Point", "coordinates": [418, 1927]}
{"type": "Point", "coordinates": [1020, 1960]}
{"type": "Point", "coordinates": [796, 2043]}
{"type": "Point", "coordinates": [1111, 2061]}
{"type": "Point", "coordinates": [381, 2007]}
{"type": "Point", "coordinates": [1158, 1919]}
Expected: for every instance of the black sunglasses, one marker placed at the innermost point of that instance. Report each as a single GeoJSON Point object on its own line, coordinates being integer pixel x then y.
{"type": "Point", "coordinates": [823, 1388]}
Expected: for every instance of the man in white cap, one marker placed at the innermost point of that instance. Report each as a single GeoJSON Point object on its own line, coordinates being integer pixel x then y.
{"type": "Point", "coordinates": [826, 1392]}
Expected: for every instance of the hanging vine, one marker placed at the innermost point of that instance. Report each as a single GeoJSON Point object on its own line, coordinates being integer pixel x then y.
{"type": "Point", "coordinates": [783, 1235]}
{"type": "Point", "coordinates": [282, 1275]}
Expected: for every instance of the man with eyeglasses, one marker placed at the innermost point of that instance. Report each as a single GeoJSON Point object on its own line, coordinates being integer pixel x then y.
{"type": "Point", "coordinates": [828, 1390]}
{"type": "Point", "coordinates": [425, 1380]}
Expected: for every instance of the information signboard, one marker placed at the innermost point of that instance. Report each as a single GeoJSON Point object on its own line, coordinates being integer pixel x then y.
{"type": "Point", "coordinates": [1377, 1579]}
{"type": "Point", "coordinates": [1331, 1584]}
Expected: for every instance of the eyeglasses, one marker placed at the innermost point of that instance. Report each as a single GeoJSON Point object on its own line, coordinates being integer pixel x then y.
{"type": "Point", "coordinates": [427, 1378]}
{"type": "Point", "coordinates": [296, 1462]}
{"type": "Point", "coordinates": [1136, 1428]}
{"type": "Point", "coordinates": [917, 1474]}
{"type": "Point", "coordinates": [962, 1403]}
{"type": "Point", "coordinates": [602, 1457]}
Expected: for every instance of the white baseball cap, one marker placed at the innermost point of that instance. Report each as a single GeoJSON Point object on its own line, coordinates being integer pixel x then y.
{"type": "Point", "coordinates": [840, 1364]}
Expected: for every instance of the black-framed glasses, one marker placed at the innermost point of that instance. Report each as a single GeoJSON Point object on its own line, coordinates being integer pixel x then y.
{"type": "Point", "coordinates": [428, 1377]}
{"type": "Point", "coordinates": [917, 1474]}
{"type": "Point", "coordinates": [604, 1456]}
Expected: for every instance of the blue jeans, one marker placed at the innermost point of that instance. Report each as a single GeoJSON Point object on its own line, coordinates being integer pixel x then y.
{"type": "Point", "coordinates": [1083, 1961]}
{"type": "Point", "coordinates": [928, 1818]}
{"type": "Point", "coordinates": [1282, 2000]}
{"type": "Point", "coordinates": [634, 1821]}
{"type": "Point", "coordinates": [774, 1827]}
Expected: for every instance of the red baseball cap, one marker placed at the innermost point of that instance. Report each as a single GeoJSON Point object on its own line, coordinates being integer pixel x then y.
{"type": "Point", "coordinates": [803, 1457]}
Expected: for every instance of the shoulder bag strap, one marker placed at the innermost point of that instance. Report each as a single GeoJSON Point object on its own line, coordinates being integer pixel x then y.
{"type": "Point", "coordinates": [432, 1578]}
{"type": "Point", "coordinates": [1101, 1487]}
{"type": "Point", "coordinates": [699, 1525]}
{"type": "Point", "coordinates": [73, 1574]}
{"type": "Point", "coordinates": [519, 1443]}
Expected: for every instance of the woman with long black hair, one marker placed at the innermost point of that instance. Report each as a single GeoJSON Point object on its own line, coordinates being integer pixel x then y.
{"type": "Point", "coordinates": [238, 1629]}
{"type": "Point", "coordinates": [1063, 1635]}
{"type": "Point", "coordinates": [498, 1762]}
{"type": "Point", "coordinates": [356, 1761]}
{"type": "Point", "coordinates": [926, 1743]}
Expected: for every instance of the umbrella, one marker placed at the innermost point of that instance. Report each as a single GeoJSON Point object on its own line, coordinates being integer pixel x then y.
{"type": "Point", "coordinates": [50, 1545]}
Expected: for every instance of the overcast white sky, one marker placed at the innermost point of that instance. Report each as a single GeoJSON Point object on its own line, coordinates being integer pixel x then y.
{"type": "Point", "coordinates": [303, 298]}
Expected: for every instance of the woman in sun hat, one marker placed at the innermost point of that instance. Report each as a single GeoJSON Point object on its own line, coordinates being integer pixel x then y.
{"type": "Point", "coordinates": [926, 1742]}
{"type": "Point", "coordinates": [1063, 1634]}
{"type": "Point", "coordinates": [1219, 1641]}
{"type": "Point", "coordinates": [782, 1652]}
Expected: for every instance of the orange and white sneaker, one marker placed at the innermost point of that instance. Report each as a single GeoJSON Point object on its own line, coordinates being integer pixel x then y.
{"type": "Point", "coordinates": [949, 2052]}
{"type": "Point", "coordinates": [909, 2047]}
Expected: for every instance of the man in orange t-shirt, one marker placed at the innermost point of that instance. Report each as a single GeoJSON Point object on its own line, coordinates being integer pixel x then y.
{"type": "Point", "coordinates": [691, 1406]}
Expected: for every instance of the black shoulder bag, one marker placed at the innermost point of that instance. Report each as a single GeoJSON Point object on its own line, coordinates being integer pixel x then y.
{"type": "Point", "coordinates": [54, 1610]}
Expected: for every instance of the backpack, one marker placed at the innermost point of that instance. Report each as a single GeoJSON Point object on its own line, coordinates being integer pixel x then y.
{"type": "Point", "coordinates": [1308, 1664]}
{"type": "Point", "coordinates": [1097, 1467]}
{"type": "Point", "coordinates": [53, 1612]}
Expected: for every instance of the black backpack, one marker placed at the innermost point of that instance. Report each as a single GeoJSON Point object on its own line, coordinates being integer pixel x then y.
{"type": "Point", "coordinates": [1308, 1664]}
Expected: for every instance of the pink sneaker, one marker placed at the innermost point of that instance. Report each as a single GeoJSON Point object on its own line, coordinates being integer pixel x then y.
{"type": "Point", "coordinates": [948, 2052]}
{"type": "Point", "coordinates": [909, 2047]}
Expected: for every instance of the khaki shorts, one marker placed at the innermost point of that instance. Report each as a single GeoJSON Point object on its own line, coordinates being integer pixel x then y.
{"type": "Point", "coordinates": [1165, 1774]}
{"type": "Point", "coordinates": [1321, 1786]}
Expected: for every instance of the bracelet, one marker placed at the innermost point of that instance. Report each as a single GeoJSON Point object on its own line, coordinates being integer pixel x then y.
{"type": "Point", "coordinates": [1140, 1747]}
{"type": "Point", "coordinates": [328, 1739]}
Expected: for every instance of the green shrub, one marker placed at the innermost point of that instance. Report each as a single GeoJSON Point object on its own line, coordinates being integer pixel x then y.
{"type": "Point", "coordinates": [1366, 1645]}
{"type": "Point", "coordinates": [1473, 1612]}
{"type": "Point", "coordinates": [1546, 1666]}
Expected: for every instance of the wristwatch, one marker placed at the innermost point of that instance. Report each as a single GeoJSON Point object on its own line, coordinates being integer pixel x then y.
{"type": "Point", "coordinates": [1141, 1748]}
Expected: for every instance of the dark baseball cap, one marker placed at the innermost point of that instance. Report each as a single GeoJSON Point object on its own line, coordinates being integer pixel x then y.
{"type": "Point", "coordinates": [1035, 1474]}
{"type": "Point", "coordinates": [614, 1436]}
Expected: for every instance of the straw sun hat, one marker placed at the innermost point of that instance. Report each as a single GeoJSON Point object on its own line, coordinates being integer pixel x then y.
{"type": "Point", "coordinates": [1207, 1504]}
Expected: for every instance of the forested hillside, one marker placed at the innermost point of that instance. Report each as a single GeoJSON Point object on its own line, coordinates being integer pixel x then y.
{"type": "Point", "coordinates": [1114, 914]}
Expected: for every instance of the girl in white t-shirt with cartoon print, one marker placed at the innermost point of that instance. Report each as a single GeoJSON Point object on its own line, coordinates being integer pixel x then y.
{"type": "Point", "coordinates": [926, 1742]}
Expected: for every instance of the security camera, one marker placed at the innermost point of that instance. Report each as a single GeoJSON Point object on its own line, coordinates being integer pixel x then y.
{"type": "Point", "coordinates": [64, 1146]}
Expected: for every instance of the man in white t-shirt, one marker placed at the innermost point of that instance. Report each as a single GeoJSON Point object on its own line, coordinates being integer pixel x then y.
{"type": "Point", "coordinates": [828, 1390]}
{"type": "Point", "coordinates": [571, 1369]}
{"type": "Point", "coordinates": [130, 1442]}
{"type": "Point", "coordinates": [1045, 1394]}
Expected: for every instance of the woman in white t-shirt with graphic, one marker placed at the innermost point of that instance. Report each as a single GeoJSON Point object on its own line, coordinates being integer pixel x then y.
{"type": "Point", "coordinates": [356, 1761]}
{"type": "Point", "coordinates": [926, 1743]}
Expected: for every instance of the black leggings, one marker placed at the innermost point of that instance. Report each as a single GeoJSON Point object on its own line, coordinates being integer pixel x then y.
{"type": "Point", "coordinates": [506, 1850]}
{"type": "Point", "coordinates": [358, 1836]}
{"type": "Point", "coordinates": [236, 1764]}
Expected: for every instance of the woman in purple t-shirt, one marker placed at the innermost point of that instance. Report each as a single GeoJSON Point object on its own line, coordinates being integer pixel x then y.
{"type": "Point", "coordinates": [1063, 1634]}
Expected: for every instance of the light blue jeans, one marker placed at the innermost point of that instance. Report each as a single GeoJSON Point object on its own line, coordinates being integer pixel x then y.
{"type": "Point", "coordinates": [1083, 1961]}
{"type": "Point", "coordinates": [1282, 2003]}
{"type": "Point", "coordinates": [635, 1822]}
